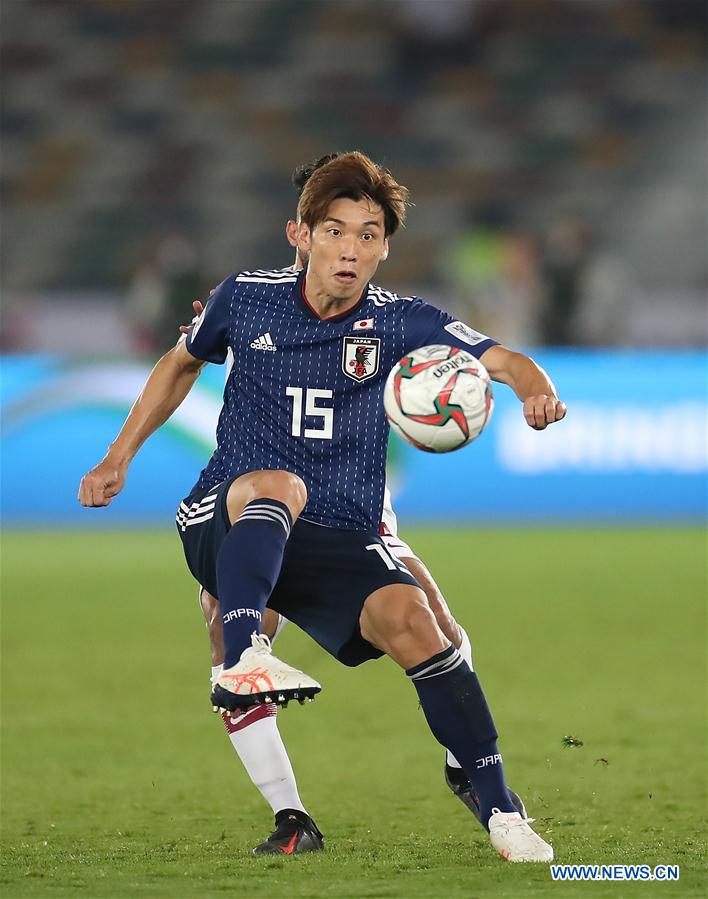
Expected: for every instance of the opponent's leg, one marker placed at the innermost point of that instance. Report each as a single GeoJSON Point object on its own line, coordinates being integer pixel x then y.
{"type": "Point", "coordinates": [455, 777]}
{"type": "Point", "coordinates": [255, 737]}
{"type": "Point", "coordinates": [439, 607]}
{"type": "Point", "coordinates": [272, 626]}
{"type": "Point", "coordinates": [397, 620]}
{"type": "Point", "coordinates": [261, 508]}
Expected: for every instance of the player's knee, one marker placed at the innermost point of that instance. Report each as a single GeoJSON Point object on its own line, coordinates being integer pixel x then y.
{"type": "Point", "coordinates": [284, 486]}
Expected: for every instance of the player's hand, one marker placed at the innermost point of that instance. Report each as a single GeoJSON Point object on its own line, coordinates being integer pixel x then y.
{"type": "Point", "coordinates": [541, 411]}
{"type": "Point", "coordinates": [198, 309]}
{"type": "Point", "coordinates": [101, 484]}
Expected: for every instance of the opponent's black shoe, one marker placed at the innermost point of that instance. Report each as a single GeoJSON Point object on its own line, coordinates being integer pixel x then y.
{"type": "Point", "coordinates": [460, 785]}
{"type": "Point", "coordinates": [294, 832]}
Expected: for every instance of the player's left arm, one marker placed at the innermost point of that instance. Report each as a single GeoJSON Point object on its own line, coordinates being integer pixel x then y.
{"type": "Point", "coordinates": [529, 382]}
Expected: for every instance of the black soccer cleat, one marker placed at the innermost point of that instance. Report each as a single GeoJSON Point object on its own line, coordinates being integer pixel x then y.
{"type": "Point", "coordinates": [460, 785]}
{"type": "Point", "coordinates": [225, 700]}
{"type": "Point", "coordinates": [294, 832]}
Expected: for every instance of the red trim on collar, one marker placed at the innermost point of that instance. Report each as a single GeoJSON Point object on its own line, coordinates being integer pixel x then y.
{"type": "Point", "coordinates": [329, 318]}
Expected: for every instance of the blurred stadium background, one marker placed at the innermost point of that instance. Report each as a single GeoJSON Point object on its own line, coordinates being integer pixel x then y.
{"type": "Point", "coordinates": [555, 150]}
{"type": "Point", "coordinates": [556, 154]}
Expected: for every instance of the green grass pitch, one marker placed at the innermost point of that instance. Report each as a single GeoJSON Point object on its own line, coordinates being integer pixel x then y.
{"type": "Point", "coordinates": [119, 781]}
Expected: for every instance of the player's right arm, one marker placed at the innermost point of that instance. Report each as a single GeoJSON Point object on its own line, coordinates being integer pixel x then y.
{"type": "Point", "coordinates": [167, 386]}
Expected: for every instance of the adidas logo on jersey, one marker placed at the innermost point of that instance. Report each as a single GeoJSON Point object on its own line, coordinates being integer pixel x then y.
{"type": "Point", "coordinates": [264, 342]}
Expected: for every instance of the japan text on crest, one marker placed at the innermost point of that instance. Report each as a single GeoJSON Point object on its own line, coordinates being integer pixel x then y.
{"type": "Point", "coordinates": [360, 357]}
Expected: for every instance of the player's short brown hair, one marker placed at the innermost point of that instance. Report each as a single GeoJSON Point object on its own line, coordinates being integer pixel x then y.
{"type": "Point", "coordinates": [355, 177]}
{"type": "Point", "coordinates": [303, 172]}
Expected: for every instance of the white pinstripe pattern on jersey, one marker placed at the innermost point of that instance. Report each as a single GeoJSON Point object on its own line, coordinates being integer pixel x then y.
{"type": "Point", "coordinates": [345, 475]}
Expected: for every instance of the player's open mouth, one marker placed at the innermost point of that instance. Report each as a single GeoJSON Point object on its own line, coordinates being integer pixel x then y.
{"type": "Point", "coordinates": [345, 277]}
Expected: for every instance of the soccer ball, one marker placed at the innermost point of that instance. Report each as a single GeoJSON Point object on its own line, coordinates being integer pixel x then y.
{"type": "Point", "coordinates": [438, 398]}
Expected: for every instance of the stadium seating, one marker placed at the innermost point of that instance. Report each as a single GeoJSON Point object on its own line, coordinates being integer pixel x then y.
{"type": "Point", "coordinates": [125, 120]}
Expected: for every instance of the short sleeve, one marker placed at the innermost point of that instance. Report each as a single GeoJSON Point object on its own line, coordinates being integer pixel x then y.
{"type": "Point", "coordinates": [429, 325]}
{"type": "Point", "coordinates": [209, 338]}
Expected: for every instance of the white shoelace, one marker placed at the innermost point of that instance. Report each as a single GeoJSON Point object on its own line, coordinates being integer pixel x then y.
{"type": "Point", "coordinates": [260, 642]}
{"type": "Point", "coordinates": [496, 811]}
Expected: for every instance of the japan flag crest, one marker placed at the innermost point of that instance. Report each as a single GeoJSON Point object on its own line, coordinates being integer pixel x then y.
{"type": "Point", "coordinates": [364, 324]}
{"type": "Point", "coordinates": [360, 357]}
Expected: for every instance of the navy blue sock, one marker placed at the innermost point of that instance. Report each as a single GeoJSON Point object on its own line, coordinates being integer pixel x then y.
{"type": "Point", "coordinates": [247, 568]}
{"type": "Point", "coordinates": [459, 717]}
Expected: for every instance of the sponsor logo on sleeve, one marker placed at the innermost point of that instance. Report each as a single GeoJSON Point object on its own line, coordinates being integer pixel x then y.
{"type": "Point", "coordinates": [464, 332]}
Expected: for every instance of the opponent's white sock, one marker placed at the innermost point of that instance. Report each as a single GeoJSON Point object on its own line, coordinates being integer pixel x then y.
{"type": "Point", "coordinates": [465, 650]}
{"type": "Point", "coordinates": [255, 736]}
{"type": "Point", "coordinates": [282, 621]}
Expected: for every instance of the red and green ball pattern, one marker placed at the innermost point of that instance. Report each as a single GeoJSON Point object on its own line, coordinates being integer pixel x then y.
{"type": "Point", "coordinates": [445, 410]}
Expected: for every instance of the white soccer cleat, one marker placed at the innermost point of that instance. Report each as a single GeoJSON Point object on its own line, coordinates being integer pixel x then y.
{"type": "Point", "coordinates": [258, 677]}
{"type": "Point", "coordinates": [514, 840]}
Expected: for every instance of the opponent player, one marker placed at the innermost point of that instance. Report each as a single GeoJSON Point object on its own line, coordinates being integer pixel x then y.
{"type": "Point", "coordinates": [254, 733]}
{"type": "Point", "coordinates": [303, 431]}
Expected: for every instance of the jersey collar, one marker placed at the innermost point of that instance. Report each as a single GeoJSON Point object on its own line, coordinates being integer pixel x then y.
{"type": "Point", "coordinates": [302, 302]}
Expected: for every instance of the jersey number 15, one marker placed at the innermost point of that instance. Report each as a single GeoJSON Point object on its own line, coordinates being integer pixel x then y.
{"type": "Point", "coordinates": [312, 410]}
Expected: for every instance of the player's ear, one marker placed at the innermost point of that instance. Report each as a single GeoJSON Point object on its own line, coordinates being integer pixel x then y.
{"type": "Point", "coordinates": [303, 237]}
{"type": "Point", "coordinates": [291, 232]}
{"type": "Point", "coordinates": [384, 254]}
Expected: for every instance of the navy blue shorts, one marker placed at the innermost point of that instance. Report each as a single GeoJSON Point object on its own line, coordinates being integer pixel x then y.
{"type": "Point", "coordinates": [326, 576]}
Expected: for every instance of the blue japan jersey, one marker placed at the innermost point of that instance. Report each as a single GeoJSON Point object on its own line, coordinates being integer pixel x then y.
{"type": "Point", "coordinates": [305, 394]}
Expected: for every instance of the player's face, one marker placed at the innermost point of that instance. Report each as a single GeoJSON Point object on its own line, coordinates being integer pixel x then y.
{"type": "Point", "coordinates": [346, 248]}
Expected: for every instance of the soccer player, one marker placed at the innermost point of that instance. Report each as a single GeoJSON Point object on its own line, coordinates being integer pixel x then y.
{"type": "Point", "coordinates": [254, 733]}
{"type": "Point", "coordinates": [287, 510]}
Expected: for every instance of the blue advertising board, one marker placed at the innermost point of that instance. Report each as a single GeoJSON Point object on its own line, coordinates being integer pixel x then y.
{"type": "Point", "coordinates": [632, 448]}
